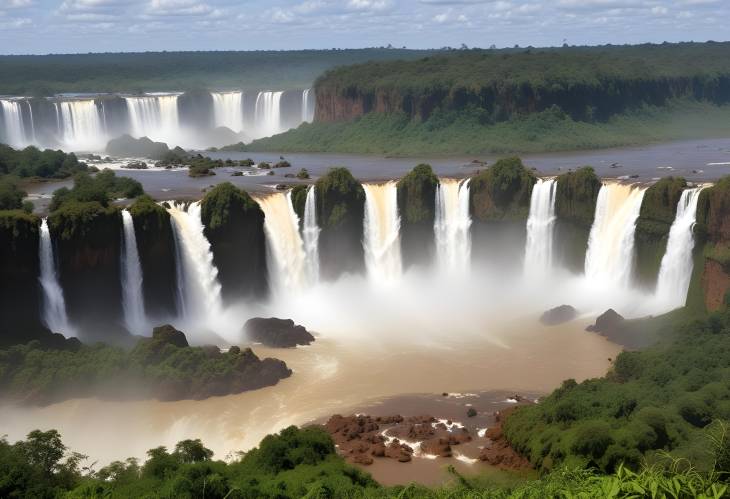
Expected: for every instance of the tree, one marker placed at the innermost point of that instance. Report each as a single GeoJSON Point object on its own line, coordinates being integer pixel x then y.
{"type": "Point", "coordinates": [192, 451]}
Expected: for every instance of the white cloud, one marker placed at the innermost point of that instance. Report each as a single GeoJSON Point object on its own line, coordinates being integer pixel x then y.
{"type": "Point", "coordinates": [368, 4]}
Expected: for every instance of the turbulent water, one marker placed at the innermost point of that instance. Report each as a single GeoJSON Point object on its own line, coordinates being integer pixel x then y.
{"type": "Point", "coordinates": [452, 226]}
{"type": "Point", "coordinates": [81, 125]}
{"type": "Point", "coordinates": [307, 106]}
{"type": "Point", "coordinates": [267, 114]}
{"type": "Point", "coordinates": [155, 117]}
{"type": "Point", "coordinates": [540, 229]}
{"type": "Point", "coordinates": [14, 122]}
{"type": "Point", "coordinates": [54, 305]}
{"type": "Point", "coordinates": [199, 292]}
{"type": "Point", "coordinates": [610, 253]}
{"type": "Point", "coordinates": [381, 239]}
{"type": "Point", "coordinates": [228, 110]}
{"type": "Point", "coordinates": [132, 298]}
{"type": "Point", "coordinates": [287, 257]}
{"type": "Point", "coordinates": [310, 235]}
{"type": "Point", "coordinates": [675, 272]}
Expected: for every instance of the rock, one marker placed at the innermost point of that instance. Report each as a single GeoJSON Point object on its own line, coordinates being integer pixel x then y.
{"type": "Point", "coordinates": [498, 451]}
{"type": "Point", "coordinates": [277, 333]}
{"type": "Point", "coordinates": [237, 174]}
{"type": "Point", "coordinates": [289, 175]}
{"type": "Point", "coordinates": [282, 164]}
{"type": "Point", "coordinates": [436, 447]}
{"type": "Point", "coordinates": [608, 322]}
{"type": "Point", "coordinates": [270, 173]}
{"type": "Point", "coordinates": [471, 412]}
{"type": "Point", "coordinates": [126, 145]}
{"type": "Point", "coordinates": [264, 165]}
{"type": "Point", "coordinates": [137, 165]}
{"type": "Point", "coordinates": [281, 187]}
{"type": "Point", "coordinates": [169, 334]}
{"type": "Point", "coordinates": [558, 315]}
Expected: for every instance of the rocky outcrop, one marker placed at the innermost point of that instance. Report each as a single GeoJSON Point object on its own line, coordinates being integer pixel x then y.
{"type": "Point", "coordinates": [607, 323]}
{"type": "Point", "coordinates": [498, 452]}
{"type": "Point", "coordinates": [234, 225]}
{"type": "Point", "coordinates": [417, 209]}
{"type": "Point", "coordinates": [715, 285]}
{"type": "Point", "coordinates": [558, 315]}
{"type": "Point", "coordinates": [712, 234]}
{"type": "Point", "coordinates": [276, 333]}
{"type": "Point", "coordinates": [340, 214]}
{"type": "Point", "coordinates": [168, 334]}
{"type": "Point", "coordinates": [128, 146]}
{"type": "Point", "coordinates": [156, 247]}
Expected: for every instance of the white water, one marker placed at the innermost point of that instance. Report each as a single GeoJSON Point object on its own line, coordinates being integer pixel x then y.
{"type": "Point", "coordinates": [155, 117]}
{"type": "Point", "coordinates": [540, 229]}
{"type": "Point", "coordinates": [610, 254]}
{"type": "Point", "coordinates": [285, 248]}
{"type": "Point", "coordinates": [228, 109]}
{"type": "Point", "coordinates": [452, 225]}
{"type": "Point", "coordinates": [381, 239]}
{"type": "Point", "coordinates": [81, 125]}
{"type": "Point", "coordinates": [132, 298]}
{"type": "Point", "coordinates": [13, 123]}
{"type": "Point", "coordinates": [675, 272]}
{"type": "Point", "coordinates": [54, 306]}
{"type": "Point", "coordinates": [267, 114]}
{"type": "Point", "coordinates": [199, 292]}
{"type": "Point", "coordinates": [310, 235]}
{"type": "Point", "coordinates": [307, 106]}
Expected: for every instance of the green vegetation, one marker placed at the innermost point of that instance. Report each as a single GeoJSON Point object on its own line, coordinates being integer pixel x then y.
{"type": "Point", "coordinates": [32, 162]}
{"type": "Point", "coordinates": [102, 188]}
{"type": "Point", "coordinates": [502, 192]}
{"type": "Point", "coordinates": [11, 196]}
{"type": "Point", "coordinates": [417, 194]}
{"type": "Point", "coordinates": [652, 401]}
{"type": "Point", "coordinates": [340, 199]}
{"type": "Point", "coordinates": [163, 367]}
{"type": "Point", "coordinates": [576, 194]}
{"type": "Point", "coordinates": [222, 202]}
{"type": "Point", "coordinates": [299, 199]}
{"type": "Point", "coordinates": [128, 146]}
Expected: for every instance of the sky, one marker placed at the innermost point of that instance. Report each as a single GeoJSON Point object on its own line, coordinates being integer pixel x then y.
{"type": "Point", "coordinates": [80, 26]}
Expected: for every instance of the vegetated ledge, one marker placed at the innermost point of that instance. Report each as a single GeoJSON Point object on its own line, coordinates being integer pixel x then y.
{"type": "Point", "coordinates": [164, 367]}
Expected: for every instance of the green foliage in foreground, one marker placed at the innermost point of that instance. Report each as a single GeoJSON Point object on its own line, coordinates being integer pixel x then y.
{"type": "Point", "coordinates": [32, 162]}
{"type": "Point", "coordinates": [472, 131]}
{"type": "Point", "coordinates": [102, 188]}
{"type": "Point", "coordinates": [655, 400]}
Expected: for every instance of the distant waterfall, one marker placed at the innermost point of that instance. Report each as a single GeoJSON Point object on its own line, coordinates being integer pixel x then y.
{"type": "Point", "coordinates": [81, 125]}
{"type": "Point", "coordinates": [675, 272]}
{"type": "Point", "coordinates": [199, 292]}
{"type": "Point", "coordinates": [228, 110]}
{"type": "Point", "coordinates": [132, 299]}
{"type": "Point", "coordinates": [267, 114]}
{"type": "Point", "coordinates": [54, 305]}
{"type": "Point", "coordinates": [610, 254]}
{"type": "Point", "coordinates": [382, 232]}
{"type": "Point", "coordinates": [287, 256]}
{"type": "Point", "coordinates": [310, 235]}
{"type": "Point", "coordinates": [307, 106]}
{"type": "Point", "coordinates": [154, 116]}
{"type": "Point", "coordinates": [540, 228]}
{"type": "Point", "coordinates": [452, 225]}
{"type": "Point", "coordinates": [13, 122]}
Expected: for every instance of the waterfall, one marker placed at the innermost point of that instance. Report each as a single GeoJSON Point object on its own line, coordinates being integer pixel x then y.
{"type": "Point", "coordinates": [154, 116]}
{"type": "Point", "coordinates": [287, 255]}
{"type": "Point", "coordinates": [610, 254]}
{"type": "Point", "coordinates": [310, 234]}
{"type": "Point", "coordinates": [199, 292]}
{"type": "Point", "coordinates": [132, 299]}
{"type": "Point", "coordinates": [307, 106]}
{"type": "Point", "coordinates": [540, 229]}
{"type": "Point", "coordinates": [675, 271]}
{"type": "Point", "coordinates": [452, 225]}
{"type": "Point", "coordinates": [13, 122]}
{"type": "Point", "coordinates": [54, 305]}
{"type": "Point", "coordinates": [228, 110]}
{"type": "Point", "coordinates": [81, 125]}
{"type": "Point", "coordinates": [382, 232]}
{"type": "Point", "coordinates": [267, 113]}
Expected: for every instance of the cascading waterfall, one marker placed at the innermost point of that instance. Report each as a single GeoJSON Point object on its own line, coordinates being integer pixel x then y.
{"type": "Point", "coordinates": [310, 235]}
{"type": "Point", "coordinates": [267, 114]}
{"type": "Point", "coordinates": [13, 122]}
{"type": "Point", "coordinates": [54, 305]}
{"type": "Point", "coordinates": [610, 254]}
{"type": "Point", "coordinates": [287, 255]}
{"type": "Point", "coordinates": [154, 116]}
{"type": "Point", "coordinates": [228, 110]}
{"type": "Point", "coordinates": [132, 298]}
{"type": "Point", "coordinates": [540, 229]}
{"type": "Point", "coordinates": [307, 106]}
{"type": "Point", "coordinates": [81, 125]}
{"type": "Point", "coordinates": [675, 271]}
{"type": "Point", "coordinates": [382, 233]}
{"type": "Point", "coordinates": [452, 225]}
{"type": "Point", "coordinates": [199, 292]}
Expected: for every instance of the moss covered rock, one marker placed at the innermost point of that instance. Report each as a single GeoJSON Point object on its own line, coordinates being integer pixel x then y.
{"type": "Point", "coordinates": [340, 213]}
{"type": "Point", "coordinates": [156, 246]}
{"type": "Point", "coordinates": [234, 225]}
{"type": "Point", "coordinates": [299, 199]}
{"type": "Point", "coordinates": [502, 192]}
{"type": "Point", "coordinates": [417, 208]}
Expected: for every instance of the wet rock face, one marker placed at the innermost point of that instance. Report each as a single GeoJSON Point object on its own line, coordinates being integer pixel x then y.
{"type": "Point", "coordinates": [558, 315]}
{"type": "Point", "coordinates": [498, 451]}
{"type": "Point", "coordinates": [417, 208]}
{"type": "Point", "coordinates": [607, 323]}
{"type": "Point", "coordinates": [715, 285]}
{"type": "Point", "coordinates": [277, 333]}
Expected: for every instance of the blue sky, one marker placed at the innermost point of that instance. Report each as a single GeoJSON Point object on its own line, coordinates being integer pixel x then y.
{"type": "Point", "coordinates": [71, 26]}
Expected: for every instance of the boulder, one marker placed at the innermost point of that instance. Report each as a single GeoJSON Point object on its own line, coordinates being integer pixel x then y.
{"type": "Point", "coordinates": [277, 333]}
{"type": "Point", "coordinates": [126, 146]}
{"type": "Point", "coordinates": [558, 315]}
{"type": "Point", "coordinates": [608, 322]}
{"type": "Point", "coordinates": [169, 334]}
{"type": "Point", "coordinates": [137, 165]}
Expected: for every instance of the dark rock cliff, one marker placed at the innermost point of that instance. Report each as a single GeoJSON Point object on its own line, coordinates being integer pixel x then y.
{"type": "Point", "coordinates": [417, 208]}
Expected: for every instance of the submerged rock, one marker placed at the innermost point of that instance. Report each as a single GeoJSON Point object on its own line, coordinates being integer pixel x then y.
{"type": "Point", "coordinates": [608, 322]}
{"type": "Point", "coordinates": [277, 333]}
{"type": "Point", "coordinates": [558, 315]}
